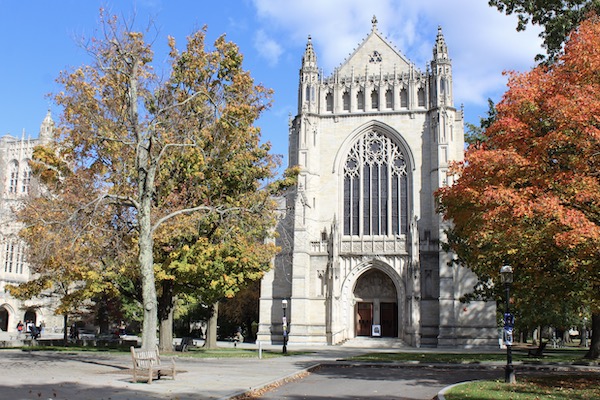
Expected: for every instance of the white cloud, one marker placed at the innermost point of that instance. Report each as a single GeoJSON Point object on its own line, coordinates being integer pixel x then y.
{"type": "Point", "coordinates": [482, 42]}
{"type": "Point", "coordinates": [267, 47]}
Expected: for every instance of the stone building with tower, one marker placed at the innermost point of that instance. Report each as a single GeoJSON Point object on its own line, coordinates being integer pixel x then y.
{"type": "Point", "coordinates": [15, 184]}
{"type": "Point", "coordinates": [360, 236]}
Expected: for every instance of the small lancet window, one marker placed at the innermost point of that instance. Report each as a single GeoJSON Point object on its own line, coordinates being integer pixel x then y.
{"type": "Point", "coordinates": [360, 100]}
{"type": "Point", "coordinates": [421, 97]}
{"type": "Point", "coordinates": [375, 100]}
{"type": "Point", "coordinates": [403, 98]}
{"type": "Point", "coordinates": [346, 101]}
{"type": "Point", "coordinates": [389, 99]}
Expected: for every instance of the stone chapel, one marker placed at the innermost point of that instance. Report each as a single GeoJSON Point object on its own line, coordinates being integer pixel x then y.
{"type": "Point", "coordinates": [360, 236]}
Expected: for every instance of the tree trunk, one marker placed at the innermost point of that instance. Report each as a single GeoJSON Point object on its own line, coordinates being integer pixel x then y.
{"type": "Point", "coordinates": [65, 327]}
{"type": "Point", "coordinates": [211, 331]}
{"type": "Point", "coordinates": [146, 261]}
{"type": "Point", "coordinates": [102, 315]}
{"type": "Point", "coordinates": [165, 316]}
{"type": "Point", "coordinates": [594, 351]}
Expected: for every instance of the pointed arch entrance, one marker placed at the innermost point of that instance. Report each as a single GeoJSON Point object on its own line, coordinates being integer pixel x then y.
{"type": "Point", "coordinates": [376, 302]}
{"type": "Point", "coordinates": [3, 319]}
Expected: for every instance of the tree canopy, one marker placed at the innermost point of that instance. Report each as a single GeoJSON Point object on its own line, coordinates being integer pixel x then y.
{"type": "Point", "coordinates": [171, 170]}
{"type": "Point", "coordinates": [530, 195]}
{"type": "Point", "coordinates": [558, 18]}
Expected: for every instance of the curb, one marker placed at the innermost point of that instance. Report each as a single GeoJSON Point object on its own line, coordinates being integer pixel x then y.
{"type": "Point", "coordinates": [441, 393]}
{"type": "Point", "coordinates": [252, 392]}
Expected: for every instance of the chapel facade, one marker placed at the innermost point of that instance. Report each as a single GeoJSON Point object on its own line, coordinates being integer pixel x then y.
{"type": "Point", "coordinates": [15, 186]}
{"type": "Point", "coordinates": [360, 236]}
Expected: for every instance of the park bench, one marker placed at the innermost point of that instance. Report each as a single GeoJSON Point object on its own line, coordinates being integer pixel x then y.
{"type": "Point", "coordinates": [538, 351]}
{"type": "Point", "coordinates": [148, 362]}
{"type": "Point", "coordinates": [186, 343]}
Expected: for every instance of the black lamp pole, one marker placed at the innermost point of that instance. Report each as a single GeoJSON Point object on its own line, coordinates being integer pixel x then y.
{"type": "Point", "coordinates": [506, 273]}
{"type": "Point", "coordinates": [284, 324]}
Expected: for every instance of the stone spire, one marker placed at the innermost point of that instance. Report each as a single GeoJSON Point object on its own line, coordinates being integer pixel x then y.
{"type": "Point", "coordinates": [309, 77]}
{"type": "Point", "coordinates": [440, 50]}
{"type": "Point", "coordinates": [309, 59]}
{"type": "Point", "coordinates": [47, 128]}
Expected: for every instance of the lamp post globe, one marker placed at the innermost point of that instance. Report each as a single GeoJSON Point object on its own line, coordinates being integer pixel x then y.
{"type": "Point", "coordinates": [506, 275]}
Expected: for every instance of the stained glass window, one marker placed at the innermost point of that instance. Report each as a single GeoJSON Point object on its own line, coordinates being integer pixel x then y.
{"type": "Point", "coordinates": [375, 187]}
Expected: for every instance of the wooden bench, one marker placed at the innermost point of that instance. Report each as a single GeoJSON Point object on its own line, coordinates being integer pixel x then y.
{"type": "Point", "coordinates": [148, 362]}
{"type": "Point", "coordinates": [538, 351]}
{"type": "Point", "coordinates": [185, 344]}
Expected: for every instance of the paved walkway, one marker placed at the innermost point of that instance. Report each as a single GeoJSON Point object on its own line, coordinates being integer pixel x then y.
{"type": "Point", "coordinates": [107, 376]}
{"type": "Point", "coordinates": [79, 376]}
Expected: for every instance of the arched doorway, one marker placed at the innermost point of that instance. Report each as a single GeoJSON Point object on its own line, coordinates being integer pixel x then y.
{"type": "Point", "coordinates": [30, 315]}
{"type": "Point", "coordinates": [376, 305]}
{"type": "Point", "coordinates": [3, 319]}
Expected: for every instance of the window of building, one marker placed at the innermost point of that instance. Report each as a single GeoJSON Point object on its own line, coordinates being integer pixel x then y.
{"type": "Point", "coordinates": [375, 187]}
{"type": "Point", "coordinates": [389, 99]}
{"type": "Point", "coordinates": [329, 102]}
{"type": "Point", "coordinates": [403, 98]}
{"type": "Point", "coordinates": [375, 100]}
{"type": "Point", "coordinates": [360, 100]}
{"type": "Point", "coordinates": [20, 260]}
{"type": "Point", "coordinates": [13, 176]}
{"type": "Point", "coordinates": [346, 101]}
{"type": "Point", "coordinates": [26, 180]}
{"type": "Point", "coordinates": [421, 97]}
{"type": "Point", "coordinates": [9, 251]}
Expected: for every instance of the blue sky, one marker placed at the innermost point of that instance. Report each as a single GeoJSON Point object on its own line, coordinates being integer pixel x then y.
{"type": "Point", "coordinates": [39, 38]}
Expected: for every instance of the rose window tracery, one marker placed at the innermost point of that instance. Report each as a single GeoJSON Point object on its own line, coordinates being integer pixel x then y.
{"type": "Point", "coordinates": [375, 187]}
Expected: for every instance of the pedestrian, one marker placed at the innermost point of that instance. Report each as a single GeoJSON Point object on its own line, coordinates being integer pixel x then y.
{"type": "Point", "coordinates": [122, 328]}
{"type": "Point", "coordinates": [20, 327]}
{"type": "Point", "coordinates": [35, 332]}
{"type": "Point", "coordinates": [74, 334]}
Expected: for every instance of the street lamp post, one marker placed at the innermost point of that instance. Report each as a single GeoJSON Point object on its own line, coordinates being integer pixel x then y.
{"type": "Point", "coordinates": [284, 304]}
{"type": "Point", "coordinates": [506, 274]}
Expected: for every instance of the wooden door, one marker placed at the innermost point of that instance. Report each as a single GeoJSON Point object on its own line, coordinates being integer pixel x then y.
{"type": "Point", "coordinates": [364, 319]}
{"type": "Point", "coordinates": [389, 319]}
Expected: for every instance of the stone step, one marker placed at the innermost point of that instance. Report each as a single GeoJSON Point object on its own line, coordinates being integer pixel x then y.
{"type": "Point", "coordinates": [375, 343]}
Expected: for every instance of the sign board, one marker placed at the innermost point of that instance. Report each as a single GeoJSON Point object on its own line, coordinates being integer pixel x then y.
{"type": "Point", "coordinates": [376, 330]}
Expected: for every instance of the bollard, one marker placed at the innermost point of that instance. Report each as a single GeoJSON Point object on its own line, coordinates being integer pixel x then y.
{"type": "Point", "coordinates": [259, 350]}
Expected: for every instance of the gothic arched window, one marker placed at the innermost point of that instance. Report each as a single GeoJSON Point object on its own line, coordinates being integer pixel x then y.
{"type": "Point", "coordinates": [375, 187]}
{"type": "Point", "coordinates": [403, 98]}
{"type": "Point", "coordinates": [346, 101]}
{"type": "Point", "coordinates": [389, 99]}
{"type": "Point", "coordinates": [13, 176]}
{"type": "Point", "coordinates": [374, 100]}
{"type": "Point", "coordinates": [421, 97]}
{"type": "Point", "coordinates": [26, 180]}
{"type": "Point", "coordinates": [329, 102]}
{"type": "Point", "coordinates": [360, 100]}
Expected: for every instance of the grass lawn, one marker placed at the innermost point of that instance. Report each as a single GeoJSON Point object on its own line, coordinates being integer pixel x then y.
{"type": "Point", "coordinates": [194, 352]}
{"type": "Point", "coordinates": [564, 355]}
{"type": "Point", "coordinates": [567, 387]}
{"type": "Point", "coordinates": [530, 386]}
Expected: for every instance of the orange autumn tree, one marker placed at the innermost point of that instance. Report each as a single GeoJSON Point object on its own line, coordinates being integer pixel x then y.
{"type": "Point", "coordinates": [530, 195]}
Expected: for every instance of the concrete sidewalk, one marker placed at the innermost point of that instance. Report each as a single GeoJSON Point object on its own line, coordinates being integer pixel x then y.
{"type": "Point", "coordinates": [78, 376]}
{"type": "Point", "coordinates": [92, 375]}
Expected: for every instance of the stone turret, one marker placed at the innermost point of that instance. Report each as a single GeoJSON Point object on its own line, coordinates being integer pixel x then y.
{"type": "Point", "coordinates": [441, 73]}
{"type": "Point", "coordinates": [309, 77]}
{"type": "Point", "coordinates": [47, 129]}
